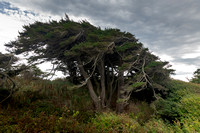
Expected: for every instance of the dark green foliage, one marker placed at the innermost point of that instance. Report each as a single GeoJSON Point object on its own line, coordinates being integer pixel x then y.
{"type": "Point", "coordinates": [171, 107]}
{"type": "Point", "coordinates": [196, 78]}
{"type": "Point", "coordinates": [105, 60]}
{"type": "Point", "coordinates": [49, 111]}
{"type": "Point", "coordinates": [6, 60]}
{"type": "Point", "coordinates": [181, 107]}
{"type": "Point", "coordinates": [138, 84]}
{"type": "Point", "coordinates": [7, 65]}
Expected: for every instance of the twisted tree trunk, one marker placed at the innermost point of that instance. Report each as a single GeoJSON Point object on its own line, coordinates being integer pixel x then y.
{"type": "Point", "coordinates": [94, 97]}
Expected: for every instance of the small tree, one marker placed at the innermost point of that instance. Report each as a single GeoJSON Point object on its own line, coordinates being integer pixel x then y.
{"type": "Point", "coordinates": [196, 78]}
{"type": "Point", "coordinates": [32, 72]}
{"type": "Point", "coordinates": [109, 62]}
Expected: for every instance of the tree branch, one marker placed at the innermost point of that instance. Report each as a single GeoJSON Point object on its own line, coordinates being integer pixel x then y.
{"type": "Point", "coordinates": [11, 89]}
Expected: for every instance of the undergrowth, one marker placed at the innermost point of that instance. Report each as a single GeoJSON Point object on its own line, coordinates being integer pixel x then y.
{"type": "Point", "coordinates": [49, 106]}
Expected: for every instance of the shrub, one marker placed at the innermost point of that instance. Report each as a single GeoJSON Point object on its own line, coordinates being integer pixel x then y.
{"type": "Point", "coordinates": [190, 114]}
{"type": "Point", "coordinates": [111, 122]}
{"type": "Point", "coordinates": [190, 106]}
{"type": "Point", "coordinates": [171, 108]}
{"type": "Point", "coordinates": [187, 125]}
{"type": "Point", "coordinates": [140, 111]}
{"type": "Point", "coordinates": [181, 107]}
{"type": "Point", "coordinates": [156, 126]}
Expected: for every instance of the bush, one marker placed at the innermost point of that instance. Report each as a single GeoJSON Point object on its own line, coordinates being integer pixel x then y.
{"type": "Point", "coordinates": [48, 111]}
{"type": "Point", "coordinates": [171, 108]}
{"type": "Point", "coordinates": [190, 106]}
{"type": "Point", "coordinates": [111, 122]}
{"type": "Point", "coordinates": [190, 114]}
{"type": "Point", "coordinates": [156, 126]}
{"type": "Point", "coordinates": [140, 111]}
{"type": "Point", "coordinates": [181, 107]}
{"type": "Point", "coordinates": [187, 125]}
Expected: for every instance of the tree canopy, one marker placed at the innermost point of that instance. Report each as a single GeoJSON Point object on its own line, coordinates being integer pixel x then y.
{"type": "Point", "coordinates": [112, 63]}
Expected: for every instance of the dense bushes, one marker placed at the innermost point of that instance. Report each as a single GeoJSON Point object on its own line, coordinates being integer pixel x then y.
{"type": "Point", "coordinates": [171, 107]}
{"type": "Point", "coordinates": [181, 107]}
{"type": "Point", "coordinates": [46, 106]}
{"type": "Point", "coordinates": [54, 109]}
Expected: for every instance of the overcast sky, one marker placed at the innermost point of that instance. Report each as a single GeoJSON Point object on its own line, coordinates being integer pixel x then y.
{"type": "Point", "coordinates": [169, 28]}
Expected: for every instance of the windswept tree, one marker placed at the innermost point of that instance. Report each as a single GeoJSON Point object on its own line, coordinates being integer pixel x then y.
{"type": "Point", "coordinates": [110, 62]}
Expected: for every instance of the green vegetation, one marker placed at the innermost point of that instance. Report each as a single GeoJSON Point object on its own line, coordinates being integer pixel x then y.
{"type": "Point", "coordinates": [107, 61]}
{"type": "Point", "coordinates": [48, 106]}
{"type": "Point", "coordinates": [196, 78]}
{"type": "Point", "coordinates": [112, 84]}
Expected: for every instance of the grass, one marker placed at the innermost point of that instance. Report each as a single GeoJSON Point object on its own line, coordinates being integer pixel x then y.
{"type": "Point", "coordinates": [48, 106]}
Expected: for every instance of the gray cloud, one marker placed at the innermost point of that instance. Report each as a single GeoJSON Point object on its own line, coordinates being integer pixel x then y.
{"type": "Point", "coordinates": [8, 9]}
{"type": "Point", "coordinates": [189, 61]}
{"type": "Point", "coordinates": [170, 27]}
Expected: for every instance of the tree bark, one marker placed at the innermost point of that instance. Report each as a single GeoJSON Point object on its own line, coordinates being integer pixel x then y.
{"type": "Point", "coordinates": [121, 93]}
{"type": "Point", "coordinates": [103, 87]}
{"type": "Point", "coordinates": [110, 87]}
{"type": "Point", "coordinates": [93, 95]}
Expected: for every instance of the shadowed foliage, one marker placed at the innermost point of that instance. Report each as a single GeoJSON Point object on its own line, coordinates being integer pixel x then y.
{"type": "Point", "coordinates": [196, 78]}
{"type": "Point", "coordinates": [6, 72]}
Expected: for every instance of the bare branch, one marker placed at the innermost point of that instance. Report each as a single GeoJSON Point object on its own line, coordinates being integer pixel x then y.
{"type": "Point", "coordinates": [131, 65]}
{"type": "Point", "coordinates": [146, 78]}
{"type": "Point", "coordinates": [88, 76]}
{"type": "Point", "coordinates": [144, 73]}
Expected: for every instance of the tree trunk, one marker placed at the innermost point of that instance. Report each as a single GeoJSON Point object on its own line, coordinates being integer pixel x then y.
{"type": "Point", "coordinates": [103, 87]}
{"type": "Point", "coordinates": [96, 100]}
{"type": "Point", "coordinates": [121, 93]}
{"type": "Point", "coordinates": [93, 95]}
{"type": "Point", "coordinates": [110, 87]}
